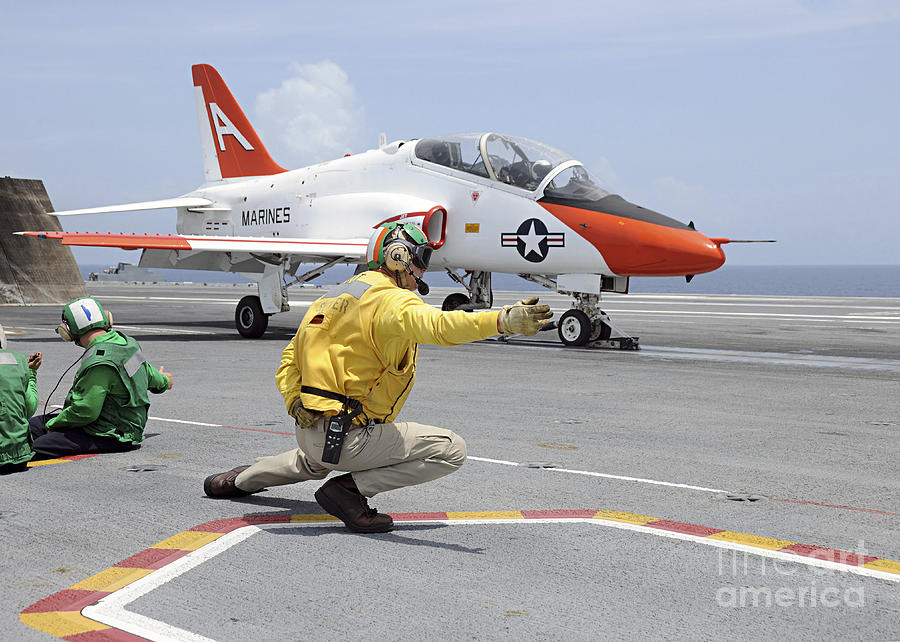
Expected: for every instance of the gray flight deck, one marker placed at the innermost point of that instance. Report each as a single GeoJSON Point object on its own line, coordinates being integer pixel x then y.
{"type": "Point", "coordinates": [791, 401]}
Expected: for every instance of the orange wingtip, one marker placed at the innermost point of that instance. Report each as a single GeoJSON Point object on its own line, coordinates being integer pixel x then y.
{"type": "Point", "coordinates": [123, 241]}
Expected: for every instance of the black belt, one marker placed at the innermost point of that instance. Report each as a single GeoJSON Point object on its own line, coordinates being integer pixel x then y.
{"type": "Point", "coordinates": [348, 402]}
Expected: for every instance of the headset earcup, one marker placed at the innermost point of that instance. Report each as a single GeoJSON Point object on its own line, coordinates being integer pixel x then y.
{"type": "Point", "coordinates": [63, 331]}
{"type": "Point", "coordinates": [396, 257]}
{"type": "Point", "coordinates": [109, 319]}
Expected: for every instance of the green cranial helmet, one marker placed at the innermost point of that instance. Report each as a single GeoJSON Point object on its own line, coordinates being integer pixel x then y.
{"type": "Point", "coordinates": [83, 315]}
{"type": "Point", "coordinates": [408, 234]}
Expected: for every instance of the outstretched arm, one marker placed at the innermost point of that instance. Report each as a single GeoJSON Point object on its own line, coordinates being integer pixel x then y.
{"type": "Point", "coordinates": [158, 381]}
{"type": "Point", "coordinates": [404, 314]}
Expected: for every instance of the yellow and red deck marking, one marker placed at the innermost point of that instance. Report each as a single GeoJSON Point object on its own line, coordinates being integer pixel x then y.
{"type": "Point", "coordinates": [60, 614]}
{"type": "Point", "coordinates": [60, 460]}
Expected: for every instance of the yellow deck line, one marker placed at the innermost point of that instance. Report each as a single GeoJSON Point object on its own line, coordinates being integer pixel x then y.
{"type": "Point", "coordinates": [489, 514]}
{"type": "Point", "coordinates": [61, 623]}
{"type": "Point", "coordinates": [188, 540]}
{"type": "Point", "coordinates": [112, 579]}
{"type": "Point", "coordinates": [757, 541]}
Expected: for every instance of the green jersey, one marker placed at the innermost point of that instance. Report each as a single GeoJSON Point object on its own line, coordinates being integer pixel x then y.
{"type": "Point", "coordinates": [18, 401]}
{"type": "Point", "coordinates": [109, 395]}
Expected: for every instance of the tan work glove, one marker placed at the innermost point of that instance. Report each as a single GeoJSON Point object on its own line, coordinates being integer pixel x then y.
{"type": "Point", "coordinates": [301, 415]}
{"type": "Point", "coordinates": [525, 317]}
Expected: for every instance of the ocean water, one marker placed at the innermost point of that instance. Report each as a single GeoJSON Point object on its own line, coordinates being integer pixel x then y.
{"type": "Point", "coordinates": [784, 280]}
{"type": "Point", "coordinates": [791, 280]}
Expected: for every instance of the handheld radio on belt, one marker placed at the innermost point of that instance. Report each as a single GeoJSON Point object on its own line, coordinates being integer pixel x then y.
{"type": "Point", "coordinates": [336, 427]}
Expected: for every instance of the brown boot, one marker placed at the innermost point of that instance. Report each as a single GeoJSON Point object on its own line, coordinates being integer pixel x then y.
{"type": "Point", "coordinates": [222, 485]}
{"type": "Point", "coordinates": [340, 497]}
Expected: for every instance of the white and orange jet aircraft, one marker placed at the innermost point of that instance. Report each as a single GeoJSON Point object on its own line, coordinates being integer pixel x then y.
{"type": "Point", "coordinates": [488, 202]}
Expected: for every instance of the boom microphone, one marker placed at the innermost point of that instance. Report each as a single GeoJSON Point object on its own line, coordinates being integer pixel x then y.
{"type": "Point", "coordinates": [423, 288]}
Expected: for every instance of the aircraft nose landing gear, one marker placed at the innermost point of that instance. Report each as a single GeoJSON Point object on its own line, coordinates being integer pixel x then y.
{"type": "Point", "coordinates": [587, 324]}
{"type": "Point", "coordinates": [577, 329]}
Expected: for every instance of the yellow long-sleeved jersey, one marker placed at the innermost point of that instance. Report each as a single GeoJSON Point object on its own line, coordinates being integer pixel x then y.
{"type": "Point", "coordinates": [360, 340]}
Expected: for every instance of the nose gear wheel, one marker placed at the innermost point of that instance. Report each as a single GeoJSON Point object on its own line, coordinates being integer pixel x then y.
{"type": "Point", "coordinates": [574, 328]}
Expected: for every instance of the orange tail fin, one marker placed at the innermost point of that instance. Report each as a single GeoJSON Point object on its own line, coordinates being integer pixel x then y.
{"type": "Point", "coordinates": [231, 148]}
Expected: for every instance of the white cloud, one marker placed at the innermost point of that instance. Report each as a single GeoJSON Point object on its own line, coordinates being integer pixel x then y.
{"type": "Point", "coordinates": [312, 117]}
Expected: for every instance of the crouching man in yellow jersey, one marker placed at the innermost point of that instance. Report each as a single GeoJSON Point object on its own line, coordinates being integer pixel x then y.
{"type": "Point", "coordinates": [347, 373]}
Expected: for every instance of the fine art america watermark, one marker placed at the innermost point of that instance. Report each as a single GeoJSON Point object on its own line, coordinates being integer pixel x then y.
{"type": "Point", "coordinates": [767, 585]}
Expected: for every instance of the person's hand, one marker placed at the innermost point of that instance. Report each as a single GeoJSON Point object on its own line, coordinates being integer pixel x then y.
{"type": "Point", "coordinates": [163, 372]}
{"type": "Point", "coordinates": [525, 317]}
{"type": "Point", "coordinates": [34, 361]}
{"type": "Point", "coordinates": [301, 415]}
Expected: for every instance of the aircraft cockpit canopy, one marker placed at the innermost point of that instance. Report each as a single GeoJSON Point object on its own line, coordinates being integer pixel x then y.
{"type": "Point", "coordinates": [513, 160]}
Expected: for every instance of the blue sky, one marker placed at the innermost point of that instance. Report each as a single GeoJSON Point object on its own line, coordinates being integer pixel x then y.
{"type": "Point", "coordinates": [755, 119]}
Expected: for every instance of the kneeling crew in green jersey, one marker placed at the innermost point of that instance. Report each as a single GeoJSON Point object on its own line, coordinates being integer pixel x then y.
{"type": "Point", "coordinates": [347, 373]}
{"type": "Point", "coordinates": [18, 401]}
{"type": "Point", "coordinates": [106, 409]}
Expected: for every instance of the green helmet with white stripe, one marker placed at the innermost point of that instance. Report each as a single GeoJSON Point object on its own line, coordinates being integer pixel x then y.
{"type": "Point", "coordinates": [83, 315]}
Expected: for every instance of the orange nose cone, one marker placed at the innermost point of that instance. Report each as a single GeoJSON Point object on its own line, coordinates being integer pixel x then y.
{"type": "Point", "coordinates": [666, 251]}
{"type": "Point", "coordinates": [714, 255]}
{"type": "Point", "coordinates": [684, 252]}
{"type": "Point", "coordinates": [635, 241]}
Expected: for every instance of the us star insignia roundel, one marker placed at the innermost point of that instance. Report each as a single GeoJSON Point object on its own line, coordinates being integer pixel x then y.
{"type": "Point", "coordinates": [532, 240]}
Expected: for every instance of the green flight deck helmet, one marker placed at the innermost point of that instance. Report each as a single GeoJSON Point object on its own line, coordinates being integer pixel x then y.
{"type": "Point", "coordinates": [80, 316]}
{"type": "Point", "coordinates": [402, 235]}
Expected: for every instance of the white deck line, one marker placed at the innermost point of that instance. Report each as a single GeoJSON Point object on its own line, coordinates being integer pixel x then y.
{"type": "Point", "coordinates": [606, 475]}
{"type": "Point", "coordinates": [111, 610]}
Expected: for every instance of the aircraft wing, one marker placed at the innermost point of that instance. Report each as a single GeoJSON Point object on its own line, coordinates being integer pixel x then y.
{"type": "Point", "coordinates": [351, 248]}
{"type": "Point", "coordinates": [190, 202]}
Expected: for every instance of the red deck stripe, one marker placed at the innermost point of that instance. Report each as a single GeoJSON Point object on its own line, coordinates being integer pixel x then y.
{"type": "Point", "coordinates": [228, 525]}
{"type": "Point", "coordinates": [865, 510]}
{"type": "Point", "coordinates": [679, 527]}
{"type": "Point", "coordinates": [221, 525]}
{"type": "Point", "coordinates": [66, 600]}
{"type": "Point", "coordinates": [405, 517]}
{"type": "Point", "coordinates": [152, 558]}
{"type": "Point", "coordinates": [828, 554]}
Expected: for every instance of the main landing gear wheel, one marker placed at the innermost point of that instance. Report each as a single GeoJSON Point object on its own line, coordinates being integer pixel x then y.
{"type": "Point", "coordinates": [453, 301]}
{"type": "Point", "coordinates": [574, 328]}
{"type": "Point", "coordinates": [249, 318]}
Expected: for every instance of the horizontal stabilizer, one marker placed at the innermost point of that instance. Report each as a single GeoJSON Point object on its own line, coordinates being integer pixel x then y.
{"type": "Point", "coordinates": [350, 248]}
{"type": "Point", "coordinates": [181, 201]}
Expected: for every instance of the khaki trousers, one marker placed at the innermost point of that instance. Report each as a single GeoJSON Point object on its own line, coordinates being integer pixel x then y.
{"type": "Point", "coordinates": [380, 457]}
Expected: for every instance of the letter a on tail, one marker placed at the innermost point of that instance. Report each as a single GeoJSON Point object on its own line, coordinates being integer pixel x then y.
{"type": "Point", "coordinates": [231, 148]}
